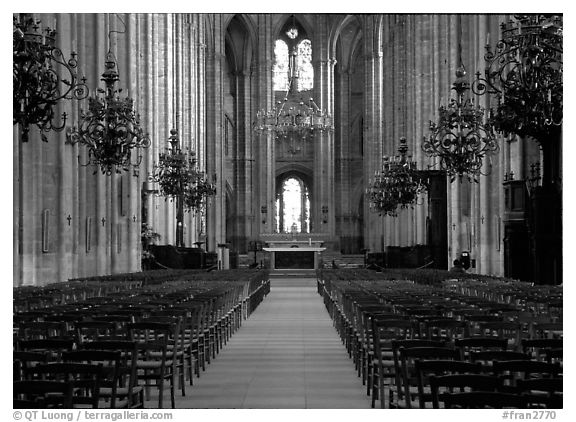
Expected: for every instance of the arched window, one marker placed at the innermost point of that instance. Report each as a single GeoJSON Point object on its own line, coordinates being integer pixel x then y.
{"type": "Point", "coordinates": [280, 76]}
{"type": "Point", "coordinates": [305, 69]}
{"type": "Point", "coordinates": [293, 58]}
{"type": "Point", "coordinates": [293, 207]}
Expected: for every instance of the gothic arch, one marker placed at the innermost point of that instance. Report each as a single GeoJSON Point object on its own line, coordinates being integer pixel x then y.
{"type": "Point", "coordinates": [302, 20]}
{"type": "Point", "coordinates": [337, 29]}
{"type": "Point", "coordinates": [240, 40]}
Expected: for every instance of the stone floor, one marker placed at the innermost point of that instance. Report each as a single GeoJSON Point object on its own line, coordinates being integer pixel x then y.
{"type": "Point", "coordinates": [287, 355]}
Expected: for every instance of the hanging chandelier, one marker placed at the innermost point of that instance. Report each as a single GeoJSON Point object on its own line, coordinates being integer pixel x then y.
{"type": "Point", "coordinates": [41, 78]}
{"type": "Point", "coordinates": [293, 117]}
{"type": "Point", "coordinates": [397, 184]}
{"type": "Point", "coordinates": [525, 73]}
{"type": "Point", "coordinates": [460, 138]}
{"type": "Point", "coordinates": [178, 177]}
{"type": "Point", "coordinates": [110, 129]}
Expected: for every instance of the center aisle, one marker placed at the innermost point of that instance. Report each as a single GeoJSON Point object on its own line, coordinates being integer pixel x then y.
{"type": "Point", "coordinates": [286, 354]}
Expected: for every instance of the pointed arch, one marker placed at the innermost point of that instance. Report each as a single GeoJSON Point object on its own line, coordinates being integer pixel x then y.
{"type": "Point", "coordinates": [300, 19]}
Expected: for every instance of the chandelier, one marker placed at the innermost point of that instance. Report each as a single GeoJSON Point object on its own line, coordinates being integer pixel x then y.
{"type": "Point", "coordinates": [525, 73]}
{"type": "Point", "coordinates": [110, 129]}
{"type": "Point", "coordinates": [460, 138]}
{"type": "Point", "coordinates": [37, 86]}
{"type": "Point", "coordinates": [178, 177]}
{"type": "Point", "coordinates": [293, 117]}
{"type": "Point", "coordinates": [398, 184]}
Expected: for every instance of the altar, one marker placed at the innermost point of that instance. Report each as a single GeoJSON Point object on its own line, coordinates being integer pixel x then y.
{"type": "Point", "coordinates": [294, 254]}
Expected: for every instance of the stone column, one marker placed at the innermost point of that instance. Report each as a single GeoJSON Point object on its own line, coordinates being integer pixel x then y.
{"type": "Point", "coordinates": [216, 213]}
{"type": "Point", "coordinates": [373, 103]}
{"type": "Point", "coordinates": [264, 144]}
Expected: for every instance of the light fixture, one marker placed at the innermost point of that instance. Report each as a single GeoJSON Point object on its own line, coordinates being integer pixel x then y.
{"type": "Point", "coordinates": [460, 138]}
{"type": "Point", "coordinates": [41, 77]}
{"type": "Point", "coordinates": [525, 72]}
{"type": "Point", "coordinates": [110, 129]}
{"type": "Point", "coordinates": [397, 184]}
{"type": "Point", "coordinates": [293, 117]}
{"type": "Point", "coordinates": [179, 179]}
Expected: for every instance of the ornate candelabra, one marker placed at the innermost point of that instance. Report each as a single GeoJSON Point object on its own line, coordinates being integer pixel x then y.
{"type": "Point", "coordinates": [178, 178]}
{"type": "Point", "coordinates": [110, 129]}
{"type": "Point", "coordinates": [460, 138]}
{"type": "Point", "coordinates": [41, 77]}
{"type": "Point", "coordinates": [525, 73]}
{"type": "Point", "coordinates": [397, 184]}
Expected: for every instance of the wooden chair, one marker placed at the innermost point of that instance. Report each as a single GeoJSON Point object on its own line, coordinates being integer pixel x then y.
{"type": "Point", "coordinates": [487, 357]}
{"type": "Point", "coordinates": [505, 330]}
{"type": "Point", "coordinates": [34, 394]}
{"type": "Point", "coordinates": [25, 361]}
{"type": "Point", "coordinates": [448, 329]}
{"type": "Point", "coordinates": [36, 330]}
{"type": "Point", "coordinates": [511, 371]}
{"type": "Point", "coordinates": [542, 392]}
{"type": "Point", "coordinates": [442, 386]}
{"type": "Point", "coordinates": [85, 379]}
{"type": "Point", "coordinates": [178, 351]}
{"type": "Point", "coordinates": [551, 330]}
{"type": "Point", "coordinates": [192, 329]}
{"type": "Point", "coordinates": [153, 366]}
{"type": "Point", "coordinates": [111, 362]}
{"type": "Point", "coordinates": [52, 347]}
{"type": "Point", "coordinates": [127, 389]}
{"type": "Point", "coordinates": [427, 368]}
{"type": "Point", "coordinates": [537, 347]}
{"type": "Point", "coordinates": [408, 386]}
{"type": "Point", "coordinates": [93, 330]}
{"type": "Point", "coordinates": [385, 332]}
{"type": "Point", "coordinates": [468, 345]}
{"type": "Point", "coordinates": [484, 399]}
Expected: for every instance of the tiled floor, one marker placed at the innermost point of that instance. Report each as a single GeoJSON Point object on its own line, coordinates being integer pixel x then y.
{"type": "Point", "coordinates": [286, 355]}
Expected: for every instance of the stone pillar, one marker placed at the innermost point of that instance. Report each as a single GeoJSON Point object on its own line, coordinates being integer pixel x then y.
{"type": "Point", "coordinates": [373, 103]}
{"type": "Point", "coordinates": [264, 144]}
{"type": "Point", "coordinates": [216, 213]}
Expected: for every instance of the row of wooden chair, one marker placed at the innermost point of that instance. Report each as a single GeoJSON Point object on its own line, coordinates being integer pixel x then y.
{"type": "Point", "coordinates": [162, 334]}
{"type": "Point", "coordinates": [372, 314]}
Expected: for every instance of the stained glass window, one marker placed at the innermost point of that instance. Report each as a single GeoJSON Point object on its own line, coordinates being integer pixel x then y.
{"type": "Point", "coordinates": [293, 209]}
{"type": "Point", "coordinates": [280, 75]}
{"type": "Point", "coordinates": [305, 69]}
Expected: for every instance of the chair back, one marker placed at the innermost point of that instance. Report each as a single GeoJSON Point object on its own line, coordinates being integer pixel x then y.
{"type": "Point", "coordinates": [31, 394]}
{"type": "Point", "coordinates": [441, 385]}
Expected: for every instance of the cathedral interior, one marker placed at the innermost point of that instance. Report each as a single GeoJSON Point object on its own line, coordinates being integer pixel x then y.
{"type": "Point", "coordinates": [376, 84]}
{"type": "Point", "coordinates": [348, 210]}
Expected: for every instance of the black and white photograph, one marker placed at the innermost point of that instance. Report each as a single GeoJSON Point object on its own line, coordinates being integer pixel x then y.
{"type": "Point", "coordinates": [288, 207]}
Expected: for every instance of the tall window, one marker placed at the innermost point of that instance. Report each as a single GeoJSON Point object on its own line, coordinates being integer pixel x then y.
{"type": "Point", "coordinates": [280, 76]}
{"type": "Point", "coordinates": [293, 207]}
{"type": "Point", "coordinates": [293, 58]}
{"type": "Point", "coordinates": [305, 69]}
